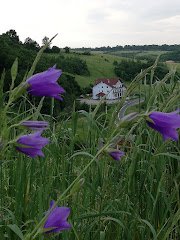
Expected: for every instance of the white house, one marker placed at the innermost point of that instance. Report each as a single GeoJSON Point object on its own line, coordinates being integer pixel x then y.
{"type": "Point", "coordinates": [113, 88]}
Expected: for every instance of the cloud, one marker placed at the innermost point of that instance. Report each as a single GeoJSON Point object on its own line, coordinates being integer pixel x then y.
{"type": "Point", "coordinates": [94, 23]}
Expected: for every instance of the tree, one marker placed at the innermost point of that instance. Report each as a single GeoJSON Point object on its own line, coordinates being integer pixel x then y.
{"type": "Point", "coordinates": [45, 41]}
{"type": "Point", "coordinates": [55, 49]}
{"type": "Point", "coordinates": [31, 44]}
{"type": "Point", "coordinates": [67, 49]}
{"type": "Point", "coordinates": [13, 35]}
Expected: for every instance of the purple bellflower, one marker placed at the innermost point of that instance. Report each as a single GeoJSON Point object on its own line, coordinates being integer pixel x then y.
{"type": "Point", "coordinates": [116, 154]}
{"type": "Point", "coordinates": [45, 84]}
{"type": "Point", "coordinates": [35, 125]}
{"type": "Point", "coordinates": [32, 144]}
{"type": "Point", "coordinates": [165, 123]}
{"type": "Point", "coordinates": [57, 219]}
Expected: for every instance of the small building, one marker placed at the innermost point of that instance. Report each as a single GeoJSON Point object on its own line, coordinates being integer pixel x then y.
{"type": "Point", "coordinates": [113, 88]}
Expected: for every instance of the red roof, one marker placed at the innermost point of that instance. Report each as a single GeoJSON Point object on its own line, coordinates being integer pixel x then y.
{"type": "Point", "coordinates": [108, 81]}
{"type": "Point", "coordinates": [101, 94]}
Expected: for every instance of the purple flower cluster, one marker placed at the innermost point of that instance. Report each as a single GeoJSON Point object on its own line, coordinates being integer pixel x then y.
{"type": "Point", "coordinates": [165, 123]}
{"type": "Point", "coordinates": [40, 84]}
{"type": "Point", "coordinates": [44, 84]}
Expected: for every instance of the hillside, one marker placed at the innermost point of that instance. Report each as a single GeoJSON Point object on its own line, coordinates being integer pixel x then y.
{"type": "Point", "coordinates": [99, 65]}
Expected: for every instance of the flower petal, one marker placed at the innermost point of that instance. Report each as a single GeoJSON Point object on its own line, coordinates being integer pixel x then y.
{"type": "Point", "coordinates": [31, 152]}
{"type": "Point", "coordinates": [116, 154]}
{"type": "Point", "coordinates": [33, 140]}
{"type": "Point", "coordinates": [166, 119]}
{"type": "Point", "coordinates": [50, 75]}
{"type": "Point", "coordinates": [57, 217]}
{"type": "Point", "coordinates": [35, 125]}
{"type": "Point", "coordinates": [167, 133]}
{"type": "Point", "coordinates": [48, 89]}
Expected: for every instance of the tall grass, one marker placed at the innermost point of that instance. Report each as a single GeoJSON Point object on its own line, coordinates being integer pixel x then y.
{"type": "Point", "coordinates": [136, 198]}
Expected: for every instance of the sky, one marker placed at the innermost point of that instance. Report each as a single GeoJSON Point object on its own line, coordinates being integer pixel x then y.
{"type": "Point", "coordinates": [93, 23]}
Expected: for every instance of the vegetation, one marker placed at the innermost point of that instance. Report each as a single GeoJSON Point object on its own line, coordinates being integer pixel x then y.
{"type": "Point", "coordinates": [128, 69]}
{"type": "Point", "coordinates": [153, 47]}
{"type": "Point", "coordinates": [134, 198]}
{"type": "Point", "coordinates": [11, 48]}
{"type": "Point", "coordinates": [174, 56]}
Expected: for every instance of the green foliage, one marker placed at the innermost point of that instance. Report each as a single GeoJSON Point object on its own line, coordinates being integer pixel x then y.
{"type": "Point", "coordinates": [55, 49]}
{"type": "Point", "coordinates": [31, 44]}
{"type": "Point", "coordinates": [153, 47]}
{"type": "Point", "coordinates": [67, 49]}
{"type": "Point", "coordinates": [12, 49]}
{"type": "Point", "coordinates": [128, 69]}
{"type": "Point", "coordinates": [174, 56]}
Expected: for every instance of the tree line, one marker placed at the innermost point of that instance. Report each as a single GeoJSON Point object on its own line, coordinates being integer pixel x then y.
{"type": "Point", "coordinates": [152, 47]}
{"type": "Point", "coordinates": [128, 69]}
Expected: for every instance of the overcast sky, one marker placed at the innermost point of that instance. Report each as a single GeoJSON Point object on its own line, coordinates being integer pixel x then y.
{"type": "Point", "coordinates": [92, 23]}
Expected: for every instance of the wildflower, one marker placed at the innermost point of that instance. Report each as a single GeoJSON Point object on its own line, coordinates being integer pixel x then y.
{"type": "Point", "coordinates": [165, 123]}
{"type": "Point", "coordinates": [57, 219]}
{"type": "Point", "coordinates": [116, 154]}
{"type": "Point", "coordinates": [32, 144]}
{"type": "Point", "coordinates": [35, 125]}
{"type": "Point", "coordinates": [45, 84]}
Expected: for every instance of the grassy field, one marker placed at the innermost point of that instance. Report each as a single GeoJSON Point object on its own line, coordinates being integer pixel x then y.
{"type": "Point", "coordinates": [137, 53]}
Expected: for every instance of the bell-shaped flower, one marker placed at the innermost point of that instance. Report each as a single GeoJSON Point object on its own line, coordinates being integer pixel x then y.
{"type": "Point", "coordinates": [57, 219]}
{"type": "Point", "coordinates": [35, 125]}
{"type": "Point", "coordinates": [165, 123]}
{"type": "Point", "coordinates": [116, 154]}
{"type": "Point", "coordinates": [32, 144]}
{"type": "Point", "coordinates": [45, 84]}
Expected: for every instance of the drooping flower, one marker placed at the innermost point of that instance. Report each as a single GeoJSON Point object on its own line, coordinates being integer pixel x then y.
{"type": "Point", "coordinates": [165, 123]}
{"type": "Point", "coordinates": [45, 84]}
{"type": "Point", "coordinates": [57, 219]}
{"type": "Point", "coordinates": [32, 144]}
{"type": "Point", "coordinates": [35, 125]}
{"type": "Point", "coordinates": [116, 154]}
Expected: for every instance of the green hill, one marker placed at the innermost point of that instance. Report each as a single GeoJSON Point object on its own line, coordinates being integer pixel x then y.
{"type": "Point", "coordinates": [99, 65]}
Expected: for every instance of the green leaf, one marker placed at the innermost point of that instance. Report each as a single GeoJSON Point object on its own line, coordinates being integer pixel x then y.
{"type": "Point", "coordinates": [102, 235]}
{"type": "Point", "coordinates": [77, 186]}
{"type": "Point", "coordinates": [14, 70]}
{"type": "Point", "coordinates": [151, 228]}
{"type": "Point", "coordinates": [168, 155]}
{"type": "Point", "coordinates": [16, 230]}
{"type": "Point", "coordinates": [1, 88]}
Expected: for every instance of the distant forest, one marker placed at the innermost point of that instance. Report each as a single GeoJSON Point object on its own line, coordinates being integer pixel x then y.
{"type": "Point", "coordinates": [153, 47]}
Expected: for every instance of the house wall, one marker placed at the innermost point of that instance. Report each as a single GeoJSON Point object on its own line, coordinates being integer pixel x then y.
{"type": "Point", "coordinates": [112, 93]}
{"type": "Point", "coordinates": [101, 87]}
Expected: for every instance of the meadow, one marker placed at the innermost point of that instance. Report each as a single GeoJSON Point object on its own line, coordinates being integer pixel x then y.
{"type": "Point", "coordinates": [135, 197]}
